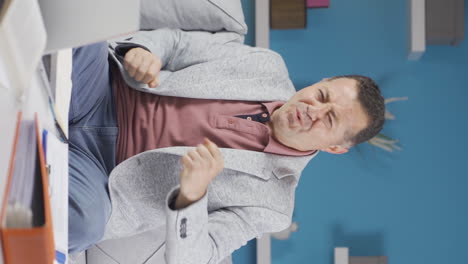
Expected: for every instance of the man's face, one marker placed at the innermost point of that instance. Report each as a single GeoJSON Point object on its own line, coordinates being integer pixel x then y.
{"type": "Point", "coordinates": [320, 117]}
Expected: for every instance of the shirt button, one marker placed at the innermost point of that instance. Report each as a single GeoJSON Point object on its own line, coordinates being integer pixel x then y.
{"type": "Point", "coordinates": [249, 118]}
{"type": "Point", "coordinates": [264, 115]}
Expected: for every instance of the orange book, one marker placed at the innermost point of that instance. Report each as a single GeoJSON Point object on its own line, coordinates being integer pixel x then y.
{"type": "Point", "coordinates": [33, 244]}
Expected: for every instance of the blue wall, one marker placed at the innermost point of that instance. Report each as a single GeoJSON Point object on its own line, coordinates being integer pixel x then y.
{"type": "Point", "coordinates": [409, 205]}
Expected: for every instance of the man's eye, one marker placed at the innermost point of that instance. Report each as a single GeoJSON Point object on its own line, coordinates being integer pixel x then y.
{"type": "Point", "coordinates": [321, 96]}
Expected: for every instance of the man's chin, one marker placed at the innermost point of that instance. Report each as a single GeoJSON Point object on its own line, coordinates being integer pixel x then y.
{"type": "Point", "coordinates": [285, 140]}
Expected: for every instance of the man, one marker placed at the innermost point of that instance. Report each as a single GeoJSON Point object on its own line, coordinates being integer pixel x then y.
{"type": "Point", "coordinates": [227, 137]}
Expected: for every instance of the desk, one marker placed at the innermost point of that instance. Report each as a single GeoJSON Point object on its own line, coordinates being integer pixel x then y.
{"type": "Point", "coordinates": [35, 100]}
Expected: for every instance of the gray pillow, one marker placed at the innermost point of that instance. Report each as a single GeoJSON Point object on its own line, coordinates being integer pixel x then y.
{"type": "Point", "coordinates": [206, 15]}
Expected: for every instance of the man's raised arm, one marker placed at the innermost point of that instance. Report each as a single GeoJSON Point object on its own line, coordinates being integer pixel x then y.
{"type": "Point", "coordinates": [178, 49]}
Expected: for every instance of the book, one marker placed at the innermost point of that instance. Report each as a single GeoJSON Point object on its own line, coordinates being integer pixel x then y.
{"type": "Point", "coordinates": [56, 157]}
{"type": "Point", "coordinates": [19, 205]}
{"type": "Point", "coordinates": [25, 217]}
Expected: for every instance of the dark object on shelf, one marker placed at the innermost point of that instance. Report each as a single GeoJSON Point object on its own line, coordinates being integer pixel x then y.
{"type": "Point", "coordinates": [287, 14]}
{"type": "Point", "coordinates": [444, 22]}
{"type": "Point", "coordinates": [368, 260]}
{"type": "Point", "coordinates": [318, 3]}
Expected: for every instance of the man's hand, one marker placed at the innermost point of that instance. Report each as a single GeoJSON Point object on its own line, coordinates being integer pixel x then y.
{"type": "Point", "coordinates": [200, 167]}
{"type": "Point", "coordinates": [143, 66]}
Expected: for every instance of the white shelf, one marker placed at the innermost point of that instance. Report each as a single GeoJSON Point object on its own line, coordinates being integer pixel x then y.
{"type": "Point", "coordinates": [416, 29]}
{"type": "Point", "coordinates": [262, 23]}
{"type": "Point", "coordinates": [341, 255]}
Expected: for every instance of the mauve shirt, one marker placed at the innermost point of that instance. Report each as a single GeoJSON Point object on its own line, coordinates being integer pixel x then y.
{"type": "Point", "coordinates": [148, 121]}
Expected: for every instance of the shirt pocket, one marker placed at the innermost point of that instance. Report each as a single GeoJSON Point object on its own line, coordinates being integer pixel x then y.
{"type": "Point", "coordinates": [238, 124]}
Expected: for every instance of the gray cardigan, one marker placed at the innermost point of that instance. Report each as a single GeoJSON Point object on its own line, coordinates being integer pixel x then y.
{"type": "Point", "coordinates": [254, 194]}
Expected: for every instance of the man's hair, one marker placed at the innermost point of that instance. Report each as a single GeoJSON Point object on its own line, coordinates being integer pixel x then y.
{"type": "Point", "coordinates": [373, 105]}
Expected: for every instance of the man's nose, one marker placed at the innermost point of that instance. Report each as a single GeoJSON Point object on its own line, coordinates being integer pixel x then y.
{"type": "Point", "coordinates": [320, 111]}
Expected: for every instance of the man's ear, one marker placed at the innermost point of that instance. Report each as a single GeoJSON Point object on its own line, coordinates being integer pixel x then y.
{"type": "Point", "coordinates": [336, 150]}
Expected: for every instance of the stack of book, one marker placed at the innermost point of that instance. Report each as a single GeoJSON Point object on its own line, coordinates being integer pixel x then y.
{"type": "Point", "coordinates": [26, 222]}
